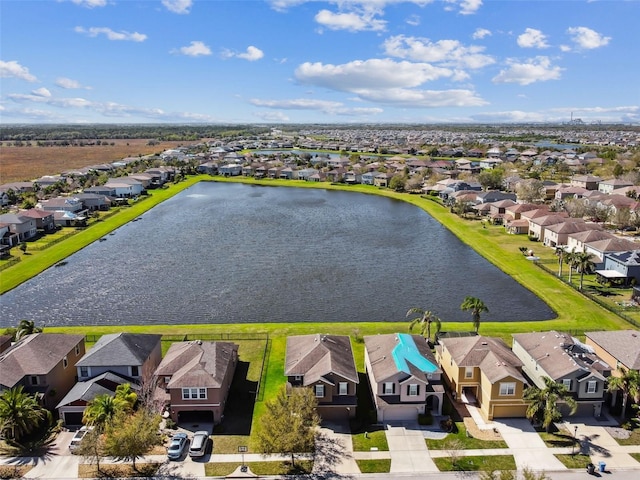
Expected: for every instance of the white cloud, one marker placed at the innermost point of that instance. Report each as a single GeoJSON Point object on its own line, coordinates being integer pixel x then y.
{"type": "Point", "coordinates": [467, 7]}
{"type": "Point", "coordinates": [480, 33]}
{"type": "Point", "coordinates": [532, 38]}
{"type": "Point", "coordinates": [565, 48]}
{"type": "Point", "coordinates": [195, 49]}
{"type": "Point", "coordinates": [413, 20]}
{"type": "Point", "coordinates": [351, 21]}
{"type": "Point", "coordinates": [57, 102]}
{"type": "Point", "coordinates": [252, 54]}
{"type": "Point", "coordinates": [586, 38]}
{"type": "Point", "coordinates": [178, 6]}
{"type": "Point", "coordinates": [271, 116]}
{"type": "Point", "coordinates": [111, 34]}
{"type": "Point", "coordinates": [447, 52]}
{"type": "Point", "coordinates": [13, 69]}
{"type": "Point", "coordinates": [562, 114]}
{"type": "Point", "coordinates": [90, 3]}
{"type": "Point", "coordinates": [325, 106]}
{"type": "Point", "coordinates": [409, 98]}
{"type": "Point", "coordinates": [537, 69]}
{"type": "Point", "coordinates": [369, 74]}
{"type": "Point", "coordinates": [41, 92]}
{"type": "Point", "coordinates": [69, 84]}
{"type": "Point", "coordinates": [513, 116]}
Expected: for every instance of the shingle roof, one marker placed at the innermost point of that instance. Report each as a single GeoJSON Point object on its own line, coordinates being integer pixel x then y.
{"type": "Point", "coordinates": [35, 354]}
{"type": "Point", "coordinates": [381, 359]}
{"type": "Point", "coordinates": [494, 358]}
{"type": "Point", "coordinates": [559, 354]}
{"type": "Point", "coordinates": [197, 363]}
{"type": "Point", "coordinates": [624, 345]}
{"type": "Point", "coordinates": [87, 391]}
{"type": "Point", "coordinates": [120, 349]}
{"type": "Point", "coordinates": [315, 356]}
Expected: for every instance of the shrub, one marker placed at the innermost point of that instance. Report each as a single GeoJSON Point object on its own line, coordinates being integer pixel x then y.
{"type": "Point", "coordinates": [425, 419]}
{"type": "Point", "coordinates": [170, 424]}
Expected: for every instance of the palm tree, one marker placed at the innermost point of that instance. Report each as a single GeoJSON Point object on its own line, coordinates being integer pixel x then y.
{"type": "Point", "coordinates": [628, 382]}
{"type": "Point", "coordinates": [544, 402]}
{"type": "Point", "coordinates": [583, 263]}
{"type": "Point", "coordinates": [125, 397]}
{"type": "Point", "coordinates": [476, 307]}
{"type": "Point", "coordinates": [569, 258]}
{"type": "Point", "coordinates": [560, 254]}
{"type": "Point", "coordinates": [100, 411]}
{"type": "Point", "coordinates": [20, 413]}
{"type": "Point", "coordinates": [26, 327]}
{"type": "Point", "coordinates": [425, 318]}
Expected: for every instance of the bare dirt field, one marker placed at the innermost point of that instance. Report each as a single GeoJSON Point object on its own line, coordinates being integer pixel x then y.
{"type": "Point", "coordinates": [28, 163]}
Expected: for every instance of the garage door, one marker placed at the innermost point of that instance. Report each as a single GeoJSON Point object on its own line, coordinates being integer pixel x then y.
{"type": "Point", "coordinates": [338, 414]}
{"type": "Point", "coordinates": [506, 411]}
{"type": "Point", "coordinates": [400, 414]}
{"type": "Point", "coordinates": [72, 419]}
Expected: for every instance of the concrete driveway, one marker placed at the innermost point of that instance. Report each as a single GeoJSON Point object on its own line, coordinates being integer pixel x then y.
{"type": "Point", "coordinates": [335, 450]}
{"type": "Point", "coordinates": [408, 449]}
{"type": "Point", "coordinates": [527, 447]}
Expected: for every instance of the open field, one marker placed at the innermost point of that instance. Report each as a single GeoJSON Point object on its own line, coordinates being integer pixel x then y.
{"type": "Point", "coordinates": [19, 164]}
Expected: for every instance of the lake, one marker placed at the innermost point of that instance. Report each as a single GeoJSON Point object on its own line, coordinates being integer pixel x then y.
{"type": "Point", "coordinates": [233, 253]}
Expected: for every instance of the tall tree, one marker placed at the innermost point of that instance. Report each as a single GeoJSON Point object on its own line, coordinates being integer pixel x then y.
{"type": "Point", "coordinates": [560, 254]}
{"type": "Point", "coordinates": [100, 411]}
{"type": "Point", "coordinates": [476, 307]}
{"type": "Point", "coordinates": [627, 382]}
{"type": "Point", "coordinates": [424, 319]}
{"type": "Point", "coordinates": [570, 258]}
{"type": "Point", "coordinates": [20, 413]}
{"type": "Point", "coordinates": [543, 402]}
{"type": "Point", "coordinates": [583, 263]}
{"type": "Point", "coordinates": [289, 423]}
{"type": "Point", "coordinates": [130, 436]}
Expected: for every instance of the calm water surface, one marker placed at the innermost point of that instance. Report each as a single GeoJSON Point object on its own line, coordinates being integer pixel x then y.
{"type": "Point", "coordinates": [232, 253]}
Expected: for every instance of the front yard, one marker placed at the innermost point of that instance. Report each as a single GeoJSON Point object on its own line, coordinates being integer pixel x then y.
{"type": "Point", "coordinates": [463, 441]}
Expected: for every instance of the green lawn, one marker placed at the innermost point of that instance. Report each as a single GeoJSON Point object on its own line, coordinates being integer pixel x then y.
{"type": "Point", "coordinates": [557, 438]}
{"type": "Point", "coordinates": [636, 456]}
{"type": "Point", "coordinates": [365, 442]}
{"type": "Point", "coordinates": [382, 465]}
{"type": "Point", "coordinates": [634, 438]}
{"type": "Point", "coordinates": [489, 463]}
{"type": "Point", "coordinates": [465, 443]}
{"type": "Point", "coordinates": [574, 461]}
{"type": "Point", "coordinates": [223, 469]}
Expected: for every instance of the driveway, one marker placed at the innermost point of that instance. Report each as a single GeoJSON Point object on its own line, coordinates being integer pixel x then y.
{"type": "Point", "coordinates": [408, 449]}
{"type": "Point", "coordinates": [335, 449]}
{"type": "Point", "coordinates": [527, 447]}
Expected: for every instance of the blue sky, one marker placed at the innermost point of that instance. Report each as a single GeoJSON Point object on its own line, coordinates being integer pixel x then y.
{"type": "Point", "coordinates": [300, 61]}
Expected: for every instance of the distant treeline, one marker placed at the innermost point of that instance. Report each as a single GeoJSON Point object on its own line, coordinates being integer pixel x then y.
{"type": "Point", "coordinates": [44, 133]}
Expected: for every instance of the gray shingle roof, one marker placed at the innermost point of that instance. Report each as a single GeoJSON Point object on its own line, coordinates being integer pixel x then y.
{"type": "Point", "coordinates": [35, 354]}
{"type": "Point", "coordinates": [624, 345]}
{"type": "Point", "coordinates": [315, 356]}
{"type": "Point", "coordinates": [87, 391]}
{"type": "Point", "coordinates": [120, 349]}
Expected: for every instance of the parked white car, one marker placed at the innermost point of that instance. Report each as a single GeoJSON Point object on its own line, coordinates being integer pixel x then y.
{"type": "Point", "coordinates": [77, 438]}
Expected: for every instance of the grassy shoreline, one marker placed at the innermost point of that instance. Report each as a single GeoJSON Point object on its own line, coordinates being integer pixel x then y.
{"type": "Point", "coordinates": [574, 311]}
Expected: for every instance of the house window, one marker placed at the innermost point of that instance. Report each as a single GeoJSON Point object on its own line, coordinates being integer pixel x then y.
{"type": "Point", "coordinates": [468, 372]}
{"type": "Point", "coordinates": [65, 362]}
{"type": "Point", "coordinates": [508, 389]}
{"type": "Point", "coordinates": [194, 393]}
{"type": "Point", "coordinates": [134, 371]}
{"type": "Point", "coordinates": [167, 380]}
{"type": "Point", "coordinates": [413, 390]}
{"type": "Point", "coordinates": [388, 388]}
{"type": "Point", "coordinates": [343, 388]}
{"type": "Point", "coordinates": [567, 383]}
{"type": "Point", "coordinates": [84, 372]}
{"type": "Point", "coordinates": [297, 378]}
{"type": "Point", "coordinates": [34, 380]}
{"type": "Point", "coordinates": [77, 350]}
{"type": "Point", "coordinates": [592, 386]}
{"type": "Point", "coordinates": [319, 391]}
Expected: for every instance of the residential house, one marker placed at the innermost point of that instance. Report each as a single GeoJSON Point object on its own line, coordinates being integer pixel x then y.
{"type": "Point", "coordinates": [324, 363]}
{"type": "Point", "coordinates": [5, 342]}
{"type": "Point", "coordinates": [44, 364]}
{"type": "Point", "coordinates": [196, 377]}
{"type": "Point", "coordinates": [491, 196]}
{"type": "Point", "coordinates": [558, 234]}
{"type": "Point", "coordinates": [599, 248]}
{"type": "Point", "coordinates": [565, 360]}
{"type": "Point", "coordinates": [382, 179]}
{"type": "Point", "coordinates": [132, 355]}
{"type": "Point", "coordinates": [577, 241]}
{"type": "Point", "coordinates": [538, 224]}
{"type": "Point", "coordinates": [66, 204]}
{"type": "Point", "coordinates": [588, 182]}
{"type": "Point", "coordinates": [483, 371]}
{"type": "Point", "coordinates": [231, 170]}
{"type": "Point", "coordinates": [404, 376]}
{"type": "Point", "coordinates": [368, 178]}
{"type": "Point", "coordinates": [44, 219]}
{"type": "Point", "coordinates": [21, 228]}
{"type": "Point", "coordinates": [620, 267]}
{"type": "Point", "coordinates": [608, 186]}
{"type": "Point", "coordinates": [125, 187]}
{"type": "Point", "coordinates": [71, 408]}
{"type": "Point", "coordinates": [94, 201]}
{"type": "Point", "coordinates": [101, 190]}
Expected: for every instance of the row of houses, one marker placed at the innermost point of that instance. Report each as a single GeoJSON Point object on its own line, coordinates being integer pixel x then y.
{"type": "Point", "coordinates": [405, 378]}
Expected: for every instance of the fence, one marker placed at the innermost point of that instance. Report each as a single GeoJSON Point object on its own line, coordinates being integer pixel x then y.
{"type": "Point", "coordinates": [206, 337]}
{"type": "Point", "coordinates": [9, 263]}
{"type": "Point", "coordinates": [607, 306]}
{"type": "Point", "coordinates": [38, 248]}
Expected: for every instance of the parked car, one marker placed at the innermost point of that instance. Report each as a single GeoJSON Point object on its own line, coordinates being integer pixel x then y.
{"type": "Point", "coordinates": [177, 446]}
{"type": "Point", "coordinates": [199, 444]}
{"type": "Point", "coordinates": [77, 438]}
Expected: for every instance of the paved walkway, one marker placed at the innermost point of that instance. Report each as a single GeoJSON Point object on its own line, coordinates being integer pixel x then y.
{"type": "Point", "coordinates": [335, 451]}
